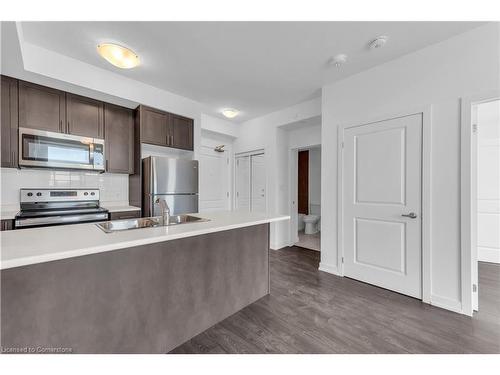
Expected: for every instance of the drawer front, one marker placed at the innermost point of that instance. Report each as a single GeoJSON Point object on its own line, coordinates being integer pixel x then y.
{"type": "Point", "coordinates": [122, 215]}
{"type": "Point", "coordinates": [7, 224]}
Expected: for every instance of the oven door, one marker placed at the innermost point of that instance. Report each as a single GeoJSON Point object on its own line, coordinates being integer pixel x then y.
{"type": "Point", "coordinates": [38, 148]}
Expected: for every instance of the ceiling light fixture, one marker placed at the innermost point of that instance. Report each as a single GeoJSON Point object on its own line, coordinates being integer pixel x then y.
{"type": "Point", "coordinates": [338, 60]}
{"type": "Point", "coordinates": [230, 112]}
{"type": "Point", "coordinates": [378, 42]}
{"type": "Point", "coordinates": [119, 56]}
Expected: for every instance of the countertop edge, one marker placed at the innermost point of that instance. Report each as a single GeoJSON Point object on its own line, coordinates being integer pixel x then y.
{"type": "Point", "coordinates": [8, 264]}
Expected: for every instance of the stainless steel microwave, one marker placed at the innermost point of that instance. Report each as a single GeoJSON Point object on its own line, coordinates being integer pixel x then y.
{"type": "Point", "coordinates": [38, 148]}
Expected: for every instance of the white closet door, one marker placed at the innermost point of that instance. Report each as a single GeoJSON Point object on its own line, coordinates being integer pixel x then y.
{"type": "Point", "coordinates": [258, 183]}
{"type": "Point", "coordinates": [242, 183]}
{"type": "Point", "coordinates": [382, 204]}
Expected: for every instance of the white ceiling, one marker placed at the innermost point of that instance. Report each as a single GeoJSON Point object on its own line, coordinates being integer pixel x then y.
{"type": "Point", "coordinates": [256, 67]}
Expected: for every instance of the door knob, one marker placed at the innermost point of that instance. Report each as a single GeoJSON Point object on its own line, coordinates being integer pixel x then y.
{"type": "Point", "coordinates": [411, 215]}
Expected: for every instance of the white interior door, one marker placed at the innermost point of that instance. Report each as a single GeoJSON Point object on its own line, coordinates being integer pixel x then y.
{"type": "Point", "coordinates": [381, 188]}
{"type": "Point", "coordinates": [214, 180]}
{"type": "Point", "coordinates": [242, 183]}
{"type": "Point", "coordinates": [258, 183]}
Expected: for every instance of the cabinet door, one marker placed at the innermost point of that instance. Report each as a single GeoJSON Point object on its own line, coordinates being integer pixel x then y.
{"type": "Point", "coordinates": [84, 116]}
{"type": "Point", "coordinates": [119, 147]}
{"type": "Point", "coordinates": [180, 132]}
{"type": "Point", "coordinates": [153, 126]}
{"type": "Point", "coordinates": [9, 122]}
{"type": "Point", "coordinates": [7, 224]}
{"type": "Point", "coordinates": [41, 107]}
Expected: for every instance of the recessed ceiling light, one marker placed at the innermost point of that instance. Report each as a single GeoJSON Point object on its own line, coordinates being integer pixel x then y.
{"type": "Point", "coordinates": [119, 56]}
{"type": "Point", "coordinates": [338, 60]}
{"type": "Point", "coordinates": [378, 42]}
{"type": "Point", "coordinates": [230, 112]}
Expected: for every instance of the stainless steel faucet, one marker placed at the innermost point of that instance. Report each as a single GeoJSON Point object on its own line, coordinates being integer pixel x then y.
{"type": "Point", "coordinates": [165, 210]}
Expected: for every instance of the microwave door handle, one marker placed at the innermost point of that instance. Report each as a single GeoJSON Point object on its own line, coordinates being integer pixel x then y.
{"type": "Point", "coordinates": [91, 154]}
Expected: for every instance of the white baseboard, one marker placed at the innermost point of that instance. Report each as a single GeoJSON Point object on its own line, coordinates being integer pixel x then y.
{"type": "Point", "coordinates": [488, 254]}
{"type": "Point", "coordinates": [446, 303]}
{"type": "Point", "coordinates": [274, 246]}
{"type": "Point", "coordinates": [329, 268]}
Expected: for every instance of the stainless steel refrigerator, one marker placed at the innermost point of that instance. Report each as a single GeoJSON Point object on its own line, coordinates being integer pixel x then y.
{"type": "Point", "coordinates": [175, 180]}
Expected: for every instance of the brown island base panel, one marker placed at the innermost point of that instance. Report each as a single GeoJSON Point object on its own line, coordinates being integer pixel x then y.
{"type": "Point", "coordinates": [144, 299]}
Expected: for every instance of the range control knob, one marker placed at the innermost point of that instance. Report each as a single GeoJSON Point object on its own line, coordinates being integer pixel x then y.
{"type": "Point", "coordinates": [29, 194]}
{"type": "Point", "coordinates": [86, 193]}
{"type": "Point", "coordinates": [38, 194]}
{"type": "Point", "coordinates": [92, 193]}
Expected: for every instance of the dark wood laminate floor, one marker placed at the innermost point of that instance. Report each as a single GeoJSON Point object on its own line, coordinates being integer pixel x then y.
{"type": "Point", "coordinates": [309, 311]}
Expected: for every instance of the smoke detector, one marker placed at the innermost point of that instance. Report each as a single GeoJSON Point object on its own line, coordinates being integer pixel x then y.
{"type": "Point", "coordinates": [378, 42]}
{"type": "Point", "coordinates": [338, 60]}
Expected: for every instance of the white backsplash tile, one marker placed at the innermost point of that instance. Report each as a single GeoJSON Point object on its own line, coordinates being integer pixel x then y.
{"type": "Point", "coordinates": [113, 187]}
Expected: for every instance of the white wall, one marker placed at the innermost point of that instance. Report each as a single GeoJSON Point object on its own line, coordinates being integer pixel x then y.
{"type": "Point", "coordinates": [437, 75]}
{"type": "Point", "coordinates": [220, 126]}
{"type": "Point", "coordinates": [305, 137]}
{"type": "Point", "coordinates": [268, 133]}
{"type": "Point", "coordinates": [488, 181]}
{"type": "Point", "coordinates": [314, 176]}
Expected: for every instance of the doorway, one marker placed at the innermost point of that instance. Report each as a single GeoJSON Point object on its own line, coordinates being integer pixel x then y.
{"type": "Point", "coordinates": [381, 197]}
{"type": "Point", "coordinates": [250, 182]}
{"type": "Point", "coordinates": [308, 185]}
{"type": "Point", "coordinates": [484, 190]}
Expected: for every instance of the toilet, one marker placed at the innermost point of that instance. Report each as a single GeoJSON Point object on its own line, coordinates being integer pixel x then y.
{"type": "Point", "coordinates": [311, 224]}
{"type": "Point", "coordinates": [311, 221]}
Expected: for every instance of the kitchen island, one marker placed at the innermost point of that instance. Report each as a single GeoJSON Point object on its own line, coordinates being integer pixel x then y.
{"type": "Point", "coordinates": [138, 291]}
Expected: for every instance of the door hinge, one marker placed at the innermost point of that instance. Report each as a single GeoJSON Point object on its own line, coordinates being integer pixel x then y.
{"type": "Point", "coordinates": [342, 259]}
{"type": "Point", "coordinates": [342, 144]}
{"type": "Point", "coordinates": [474, 128]}
{"type": "Point", "coordinates": [228, 161]}
{"type": "Point", "coordinates": [474, 288]}
{"type": "Point", "coordinates": [227, 194]}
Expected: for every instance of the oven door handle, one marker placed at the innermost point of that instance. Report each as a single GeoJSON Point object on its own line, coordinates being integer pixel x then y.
{"type": "Point", "coordinates": [60, 219]}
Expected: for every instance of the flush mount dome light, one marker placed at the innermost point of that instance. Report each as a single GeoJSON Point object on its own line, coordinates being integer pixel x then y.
{"type": "Point", "coordinates": [338, 61]}
{"type": "Point", "coordinates": [230, 112]}
{"type": "Point", "coordinates": [119, 56]}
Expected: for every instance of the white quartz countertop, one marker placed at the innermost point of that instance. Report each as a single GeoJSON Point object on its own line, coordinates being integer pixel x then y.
{"type": "Point", "coordinates": [37, 245]}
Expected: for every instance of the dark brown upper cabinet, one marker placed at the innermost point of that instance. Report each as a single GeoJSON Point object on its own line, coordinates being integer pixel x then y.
{"type": "Point", "coordinates": [119, 141]}
{"type": "Point", "coordinates": [9, 122]}
{"type": "Point", "coordinates": [165, 129]}
{"type": "Point", "coordinates": [154, 126]}
{"type": "Point", "coordinates": [84, 116]}
{"type": "Point", "coordinates": [41, 107]}
{"type": "Point", "coordinates": [180, 132]}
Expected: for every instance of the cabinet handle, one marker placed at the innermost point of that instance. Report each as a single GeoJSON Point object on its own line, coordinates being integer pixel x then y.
{"type": "Point", "coordinates": [107, 165]}
{"type": "Point", "coordinates": [60, 126]}
{"type": "Point", "coordinates": [67, 128]}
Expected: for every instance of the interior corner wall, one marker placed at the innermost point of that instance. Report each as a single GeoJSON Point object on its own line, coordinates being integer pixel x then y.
{"type": "Point", "coordinates": [437, 76]}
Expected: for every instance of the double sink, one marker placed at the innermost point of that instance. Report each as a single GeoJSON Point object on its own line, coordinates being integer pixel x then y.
{"type": "Point", "coordinates": [146, 222]}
